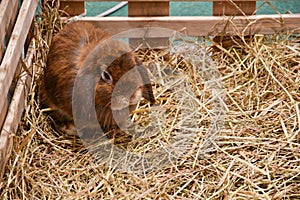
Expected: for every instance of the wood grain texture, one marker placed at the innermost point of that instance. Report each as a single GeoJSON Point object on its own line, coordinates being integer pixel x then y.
{"type": "Point", "coordinates": [14, 114]}
{"type": "Point", "coordinates": [3, 112]}
{"type": "Point", "coordinates": [15, 46]}
{"type": "Point", "coordinates": [234, 8]}
{"type": "Point", "coordinates": [73, 8]}
{"type": "Point", "coordinates": [12, 21]}
{"type": "Point", "coordinates": [7, 12]}
{"type": "Point", "coordinates": [200, 26]}
{"type": "Point", "coordinates": [151, 9]}
{"type": "Point", "coordinates": [148, 9]}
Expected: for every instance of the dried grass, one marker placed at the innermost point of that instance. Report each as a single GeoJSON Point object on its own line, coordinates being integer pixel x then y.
{"type": "Point", "coordinates": [256, 156]}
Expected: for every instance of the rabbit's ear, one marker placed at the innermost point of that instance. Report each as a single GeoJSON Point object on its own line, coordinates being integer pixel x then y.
{"type": "Point", "coordinates": [147, 91]}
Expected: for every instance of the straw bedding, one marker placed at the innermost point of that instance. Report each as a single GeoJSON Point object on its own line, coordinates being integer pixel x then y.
{"type": "Point", "coordinates": [255, 156]}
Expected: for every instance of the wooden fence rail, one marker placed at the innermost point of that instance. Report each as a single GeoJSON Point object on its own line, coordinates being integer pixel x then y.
{"type": "Point", "coordinates": [15, 22]}
{"type": "Point", "coordinates": [12, 100]}
{"type": "Point", "coordinates": [234, 16]}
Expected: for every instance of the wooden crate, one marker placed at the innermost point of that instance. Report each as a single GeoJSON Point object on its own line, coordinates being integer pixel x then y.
{"type": "Point", "coordinates": [15, 24]}
{"type": "Point", "coordinates": [223, 11]}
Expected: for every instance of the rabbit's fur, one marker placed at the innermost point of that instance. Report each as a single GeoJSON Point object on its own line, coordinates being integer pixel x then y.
{"type": "Point", "coordinates": [76, 48]}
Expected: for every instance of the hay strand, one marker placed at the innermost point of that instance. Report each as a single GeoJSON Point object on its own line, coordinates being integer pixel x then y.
{"type": "Point", "coordinates": [255, 156]}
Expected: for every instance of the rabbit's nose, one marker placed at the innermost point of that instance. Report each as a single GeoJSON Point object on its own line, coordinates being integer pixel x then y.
{"type": "Point", "coordinates": [121, 102]}
{"type": "Point", "coordinates": [136, 97]}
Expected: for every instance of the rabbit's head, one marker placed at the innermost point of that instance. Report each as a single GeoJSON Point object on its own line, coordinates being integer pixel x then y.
{"type": "Point", "coordinates": [120, 80]}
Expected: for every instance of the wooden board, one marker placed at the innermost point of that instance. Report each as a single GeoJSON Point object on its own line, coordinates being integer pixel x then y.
{"type": "Point", "coordinates": [8, 97]}
{"type": "Point", "coordinates": [201, 26]}
{"type": "Point", "coordinates": [12, 22]}
{"type": "Point", "coordinates": [73, 8]}
{"type": "Point", "coordinates": [7, 12]}
{"type": "Point", "coordinates": [234, 8]}
{"type": "Point", "coordinates": [14, 114]}
{"type": "Point", "coordinates": [15, 46]}
{"type": "Point", "coordinates": [3, 112]}
{"type": "Point", "coordinates": [151, 9]}
{"type": "Point", "coordinates": [148, 9]}
{"type": "Point", "coordinates": [220, 7]}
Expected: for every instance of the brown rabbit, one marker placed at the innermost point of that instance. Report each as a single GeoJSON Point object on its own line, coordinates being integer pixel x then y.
{"type": "Point", "coordinates": [83, 49]}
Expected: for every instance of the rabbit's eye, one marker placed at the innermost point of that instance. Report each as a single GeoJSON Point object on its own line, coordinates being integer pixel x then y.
{"type": "Point", "coordinates": [106, 77]}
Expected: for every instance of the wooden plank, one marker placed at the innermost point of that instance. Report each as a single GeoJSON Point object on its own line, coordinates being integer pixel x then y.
{"type": "Point", "coordinates": [73, 8]}
{"type": "Point", "coordinates": [234, 8]}
{"type": "Point", "coordinates": [201, 26]}
{"type": "Point", "coordinates": [2, 47]}
{"type": "Point", "coordinates": [15, 46]}
{"type": "Point", "coordinates": [12, 22]}
{"type": "Point", "coordinates": [148, 9]}
{"type": "Point", "coordinates": [3, 112]}
{"type": "Point", "coordinates": [14, 113]}
{"type": "Point", "coordinates": [151, 9]}
{"type": "Point", "coordinates": [9, 97]}
{"type": "Point", "coordinates": [6, 13]}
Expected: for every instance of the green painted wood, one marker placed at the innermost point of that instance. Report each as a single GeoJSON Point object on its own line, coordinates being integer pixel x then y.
{"type": "Point", "coordinates": [197, 8]}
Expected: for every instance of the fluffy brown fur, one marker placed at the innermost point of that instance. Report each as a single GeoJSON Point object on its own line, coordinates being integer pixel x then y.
{"type": "Point", "coordinates": [76, 48]}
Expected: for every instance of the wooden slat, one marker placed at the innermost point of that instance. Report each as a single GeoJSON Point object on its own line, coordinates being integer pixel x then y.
{"type": "Point", "coordinates": [8, 97]}
{"type": "Point", "coordinates": [148, 9]}
{"type": "Point", "coordinates": [6, 13]}
{"type": "Point", "coordinates": [153, 8]}
{"type": "Point", "coordinates": [232, 8]}
{"type": "Point", "coordinates": [14, 113]}
{"type": "Point", "coordinates": [3, 112]}
{"type": "Point", "coordinates": [201, 26]}
{"type": "Point", "coordinates": [221, 8]}
{"type": "Point", "coordinates": [15, 46]}
{"type": "Point", "coordinates": [73, 8]}
{"type": "Point", "coordinates": [12, 22]}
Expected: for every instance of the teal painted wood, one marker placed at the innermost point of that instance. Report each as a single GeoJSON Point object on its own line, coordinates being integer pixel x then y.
{"type": "Point", "coordinates": [198, 8]}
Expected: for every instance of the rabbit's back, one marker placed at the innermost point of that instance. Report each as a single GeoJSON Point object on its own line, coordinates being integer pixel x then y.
{"type": "Point", "coordinates": [85, 59]}
{"type": "Point", "coordinates": [68, 50]}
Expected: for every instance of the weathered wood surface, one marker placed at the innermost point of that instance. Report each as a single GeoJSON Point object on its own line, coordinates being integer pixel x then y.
{"type": "Point", "coordinates": [201, 26]}
{"type": "Point", "coordinates": [73, 8]}
{"type": "Point", "coordinates": [15, 111]}
{"type": "Point", "coordinates": [148, 9]}
{"type": "Point", "coordinates": [15, 47]}
{"type": "Point", "coordinates": [151, 9]}
{"type": "Point", "coordinates": [8, 13]}
{"type": "Point", "coordinates": [221, 8]}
